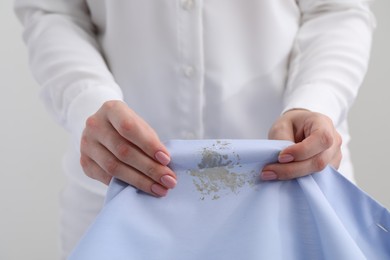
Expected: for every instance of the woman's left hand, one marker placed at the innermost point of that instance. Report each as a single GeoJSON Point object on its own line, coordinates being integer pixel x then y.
{"type": "Point", "coordinates": [317, 144]}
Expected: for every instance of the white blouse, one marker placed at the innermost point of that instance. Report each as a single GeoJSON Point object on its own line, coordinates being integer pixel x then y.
{"type": "Point", "coordinates": [196, 69]}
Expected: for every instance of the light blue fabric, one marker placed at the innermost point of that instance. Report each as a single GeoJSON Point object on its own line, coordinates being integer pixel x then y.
{"type": "Point", "coordinates": [221, 210]}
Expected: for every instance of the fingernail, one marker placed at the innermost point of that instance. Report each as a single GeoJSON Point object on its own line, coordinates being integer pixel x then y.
{"type": "Point", "coordinates": [168, 181]}
{"type": "Point", "coordinates": [162, 158]}
{"type": "Point", "coordinates": [268, 176]}
{"type": "Point", "coordinates": [159, 190]}
{"type": "Point", "coordinates": [285, 158]}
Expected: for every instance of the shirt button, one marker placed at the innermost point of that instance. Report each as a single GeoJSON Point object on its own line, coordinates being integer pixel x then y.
{"type": "Point", "coordinates": [188, 4]}
{"type": "Point", "coordinates": [189, 71]}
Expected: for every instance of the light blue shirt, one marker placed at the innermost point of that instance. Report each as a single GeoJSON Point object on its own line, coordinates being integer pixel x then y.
{"type": "Point", "coordinates": [220, 209]}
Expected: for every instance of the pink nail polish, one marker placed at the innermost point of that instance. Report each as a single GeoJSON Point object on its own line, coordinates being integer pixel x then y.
{"type": "Point", "coordinates": [285, 158]}
{"type": "Point", "coordinates": [268, 176]}
{"type": "Point", "coordinates": [162, 158]}
{"type": "Point", "coordinates": [159, 190]}
{"type": "Point", "coordinates": [168, 181]}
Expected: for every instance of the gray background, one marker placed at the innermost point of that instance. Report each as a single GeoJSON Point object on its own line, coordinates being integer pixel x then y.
{"type": "Point", "coordinates": [32, 144]}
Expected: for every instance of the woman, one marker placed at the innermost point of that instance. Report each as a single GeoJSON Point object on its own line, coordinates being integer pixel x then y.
{"type": "Point", "coordinates": [123, 76]}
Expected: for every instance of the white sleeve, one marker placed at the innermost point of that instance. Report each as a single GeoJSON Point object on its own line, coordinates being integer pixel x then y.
{"type": "Point", "coordinates": [330, 56]}
{"type": "Point", "coordinates": [65, 60]}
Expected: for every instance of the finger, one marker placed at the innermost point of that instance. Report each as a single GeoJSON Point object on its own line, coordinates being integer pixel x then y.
{"type": "Point", "coordinates": [113, 167]}
{"type": "Point", "coordinates": [337, 156]}
{"type": "Point", "coordinates": [93, 170]}
{"type": "Point", "coordinates": [137, 131]}
{"type": "Point", "coordinates": [134, 157]}
{"type": "Point", "coordinates": [122, 149]}
{"type": "Point", "coordinates": [292, 170]}
{"type": "Point", "coordinates": [336, 160]}
{"type": "Point", "coordinates": [143, 183]}
{"type": "Point", "coordinates": [314, 144]}
{"type": "Point", "coordinates": [281, 130]}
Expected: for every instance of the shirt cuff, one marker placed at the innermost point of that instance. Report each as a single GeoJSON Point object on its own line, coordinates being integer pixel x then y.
{"type": "Point", "coordinates": [317, 98]}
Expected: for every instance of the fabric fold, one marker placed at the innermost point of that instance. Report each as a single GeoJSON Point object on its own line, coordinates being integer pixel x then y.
{"type": "Point", "coordinates": [220, 209]}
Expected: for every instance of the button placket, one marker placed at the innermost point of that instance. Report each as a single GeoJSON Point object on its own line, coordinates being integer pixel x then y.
{"type": "Point", "coordinates": [190, 50]}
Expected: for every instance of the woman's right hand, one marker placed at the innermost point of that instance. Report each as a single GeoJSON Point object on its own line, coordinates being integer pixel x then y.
{"type": "Point", "coordinates": [116, 142]}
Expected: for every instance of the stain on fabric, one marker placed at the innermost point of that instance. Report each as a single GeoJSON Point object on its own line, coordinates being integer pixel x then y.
{"type": "Point", "coordinates": [217, 173]}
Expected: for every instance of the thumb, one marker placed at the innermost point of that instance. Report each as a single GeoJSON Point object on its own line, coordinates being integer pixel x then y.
{"type": "Point", "coordinates": [282, 130]}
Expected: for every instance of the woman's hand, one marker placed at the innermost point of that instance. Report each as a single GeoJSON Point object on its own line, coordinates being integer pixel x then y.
{"type": "Point", "coordinates": [118, 143]}
{"type": "Point", "coordinates": [317, 144]}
